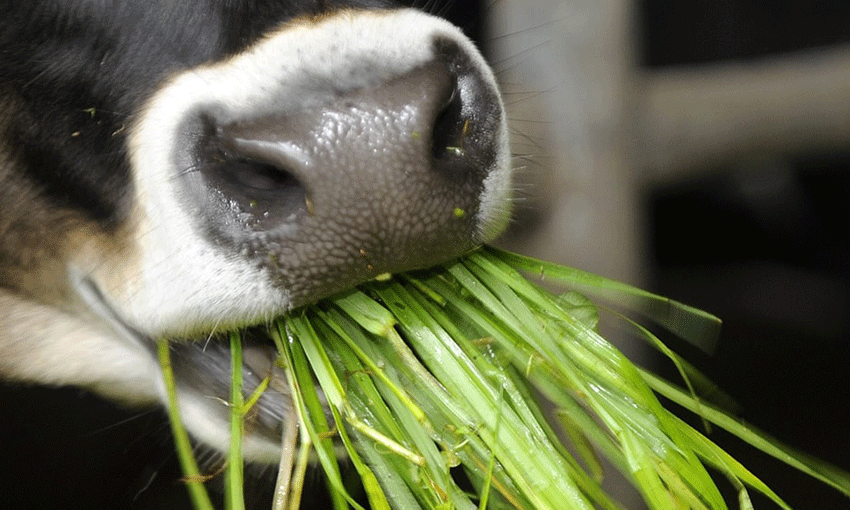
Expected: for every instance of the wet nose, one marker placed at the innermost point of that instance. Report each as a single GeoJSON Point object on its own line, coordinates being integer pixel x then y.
{"type": "Point", "coordinates": [378, 179]}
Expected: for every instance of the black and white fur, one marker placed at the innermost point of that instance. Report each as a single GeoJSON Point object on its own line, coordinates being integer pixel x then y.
{"type": "Point", "coordinates": [178, 168]}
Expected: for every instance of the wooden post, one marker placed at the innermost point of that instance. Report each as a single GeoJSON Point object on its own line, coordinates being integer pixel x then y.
{"type": "Point", "coordinates": [580, 173]}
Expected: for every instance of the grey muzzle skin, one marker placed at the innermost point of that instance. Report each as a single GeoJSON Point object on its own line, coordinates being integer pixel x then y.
{"type": "Point", "coordinates": [378, 179]}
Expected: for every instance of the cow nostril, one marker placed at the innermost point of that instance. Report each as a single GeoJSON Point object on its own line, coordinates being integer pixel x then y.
{"type": "Point", "coordinates": [255, 175]}
{"type": "Point", "coordinates": [257, 183]}
{"type": "Point", "coordinates": [449, 128]}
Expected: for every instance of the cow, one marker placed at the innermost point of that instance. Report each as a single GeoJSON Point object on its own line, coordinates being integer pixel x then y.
{"type": "Point", "coordinates": [182, 168]}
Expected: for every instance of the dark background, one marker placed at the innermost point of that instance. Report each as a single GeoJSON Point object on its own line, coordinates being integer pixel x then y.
{"type": "Point", "coordinates": [763, 243]}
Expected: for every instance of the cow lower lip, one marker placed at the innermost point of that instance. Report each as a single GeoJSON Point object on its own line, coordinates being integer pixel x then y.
{"type": "Point", "coordinates": [202, 364]}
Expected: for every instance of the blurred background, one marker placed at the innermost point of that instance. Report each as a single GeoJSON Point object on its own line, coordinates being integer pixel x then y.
{"type": "Point", "coordinates": [699, 149]}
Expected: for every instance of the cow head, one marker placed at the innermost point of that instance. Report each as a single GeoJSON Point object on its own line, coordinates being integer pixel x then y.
{"type": "Point", "coordinates": [181, 168]}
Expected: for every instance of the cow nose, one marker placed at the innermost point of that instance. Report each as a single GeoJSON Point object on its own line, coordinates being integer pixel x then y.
{"type": "Point", "coordinates": [381, 178]}
{"type": "Point", "coordinates": [350, 151]}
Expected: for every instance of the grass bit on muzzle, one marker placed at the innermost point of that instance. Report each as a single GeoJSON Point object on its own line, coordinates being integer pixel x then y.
{"type": "Point", "coordinates": [431, 383]}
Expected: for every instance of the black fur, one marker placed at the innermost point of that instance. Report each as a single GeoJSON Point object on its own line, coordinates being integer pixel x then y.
{"type": "Point", "coordinates": [87, 68]}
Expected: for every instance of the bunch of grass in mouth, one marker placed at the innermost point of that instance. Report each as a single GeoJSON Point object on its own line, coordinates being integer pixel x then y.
{"type": "Point", "coordinates": [432, 381]}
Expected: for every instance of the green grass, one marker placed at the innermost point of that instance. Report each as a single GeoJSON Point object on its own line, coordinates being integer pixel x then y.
{"type": "Point", "coordinates": [430, 378]}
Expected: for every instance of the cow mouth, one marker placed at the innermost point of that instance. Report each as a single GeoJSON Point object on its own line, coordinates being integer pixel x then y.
{"type": "Point", "coordinates": [202, 372]}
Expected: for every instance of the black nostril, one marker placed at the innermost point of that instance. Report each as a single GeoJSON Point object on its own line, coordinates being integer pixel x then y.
{"type": "Point", "coordinates": [253, 176]}
{"type": "Point", "coordinates": [257, 182]}
{"type": "Point", "coordinates": [450, 127]}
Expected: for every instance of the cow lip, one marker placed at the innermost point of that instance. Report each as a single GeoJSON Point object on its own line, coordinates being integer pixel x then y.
{"type": "Point", "coordinates": [205, 363]}
{"type": "Point", "coordinates": [94, 299]}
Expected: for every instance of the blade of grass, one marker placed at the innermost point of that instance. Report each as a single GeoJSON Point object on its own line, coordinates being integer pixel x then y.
{"type": "Point", "coordinates": [688, 467]}
{"type": "Point", "coordinates": [446, 421]}
{"type": "Point", "coordinates": [486, 322]}
{"type": "Point", "coordinates": [405, 422]}
{"type": "Point", "coordinates": [374, 492]}
{"type": "Point", "coordinates": [512, 384]}
{"type": "Point", "coordinates": [197, 491]}
{"type": "Point", "coordinates": [300, 472]}
{"type": "Point", "coordinates": [310, 409]}
{"type": "Point", "coordinates": [698, 327]}
{"type": "Point", "coordinates": [333, 319]}
{"type": "Point", "coordinates": [449, 363]}
{"type": "Point", "coordinates": [233, 489]}
{"type": "Point", "coordinates": [731, 468]}
{"type": "Point", "coordinates": [820, 470]}
{"type": "Point", "coordinates": [284, 482]}
{"type": "Point", "coordinates": [363, 395]}
{"type": "Point", "coordinates": [623, 379]}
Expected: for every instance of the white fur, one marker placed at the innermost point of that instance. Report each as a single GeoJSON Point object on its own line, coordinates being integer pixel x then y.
{"type": "Point", "coordinates": [61, 348]}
